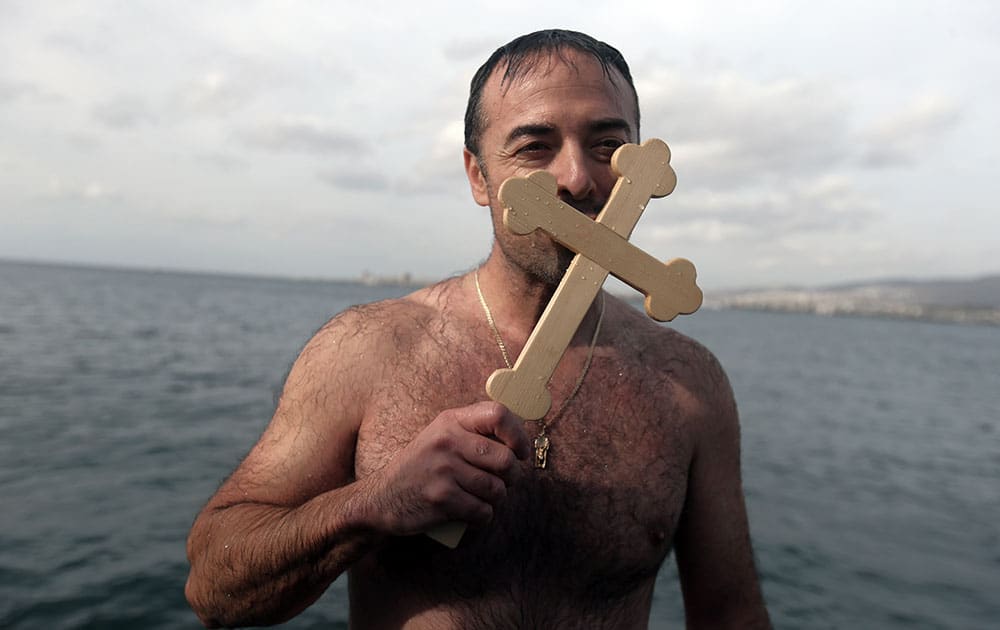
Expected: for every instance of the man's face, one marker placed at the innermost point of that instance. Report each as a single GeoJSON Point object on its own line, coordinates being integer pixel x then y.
{"type": "Point", "coordinates": [567, 119]}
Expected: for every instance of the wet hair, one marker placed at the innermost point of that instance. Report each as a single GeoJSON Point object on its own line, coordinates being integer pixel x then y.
{"type": "Point", "coordinates": [522, 54]}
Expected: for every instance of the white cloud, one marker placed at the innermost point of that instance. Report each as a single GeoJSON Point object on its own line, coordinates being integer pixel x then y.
{"type": "Point", "coordinates": [124, 112]}
{"type": "Point", "coordinates": [439, 170]}
{"type": "Point", "coordinates": [205, 216]}
{"type": "Point", "coordinates": [358, 180]}
{"type": "Point", "coordinates": [734, 130]}
{"type": "Point", "coordinates": [212, 93]}
{"type": "Point", "coordinates": [701, 231]}
{"type": "Point", "coordinates": [913, 133]}
{"type": "Point", "coordinates": [729, 131]}
{"type": "Point", "coordinates": [302, 135]}
{"type": "Point", "coordinates": [474, 50]}
{"type": "Point", "coordinates": [800, 139]}
{"type": "Point", "coordinates": [224, 161]}
{"type": "Point", "coordinates": [13, 90]}
{"type": "Point", "coordinates": [86, 191]}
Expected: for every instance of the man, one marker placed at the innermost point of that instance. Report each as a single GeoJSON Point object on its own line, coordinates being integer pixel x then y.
{"type": "Point", "coordinates": [383, 430]}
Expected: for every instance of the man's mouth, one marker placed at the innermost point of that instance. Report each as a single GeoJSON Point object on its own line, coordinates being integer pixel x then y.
{"type": "Point", "coordinates": [590, 209]}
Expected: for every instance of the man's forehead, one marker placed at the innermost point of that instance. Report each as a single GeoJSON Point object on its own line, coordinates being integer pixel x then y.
{"type": "Point", "coordinates": [547, 69]}
{"type": "Point", "coordinates": [548, 65]}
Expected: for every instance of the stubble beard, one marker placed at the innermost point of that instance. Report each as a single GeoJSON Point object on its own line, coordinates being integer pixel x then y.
{"type": "Point", "coordinates": [536, 255]}
{"type": "Point", "coordinates": [541, 259]}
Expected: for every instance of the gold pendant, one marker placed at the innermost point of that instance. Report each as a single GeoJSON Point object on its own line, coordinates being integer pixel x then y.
{"type": "Point", "coordinates": [541, 450]}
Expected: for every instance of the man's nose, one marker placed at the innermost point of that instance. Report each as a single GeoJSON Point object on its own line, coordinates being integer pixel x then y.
{"type": "Point", "coordinates": [572, 170]}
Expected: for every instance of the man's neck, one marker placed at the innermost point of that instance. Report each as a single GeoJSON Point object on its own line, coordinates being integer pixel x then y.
{"type": "Point", "coordinates": [515, 298]}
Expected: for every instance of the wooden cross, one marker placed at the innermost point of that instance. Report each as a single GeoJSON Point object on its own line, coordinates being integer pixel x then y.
{"type": "Point", "coordinates": [601, 248]}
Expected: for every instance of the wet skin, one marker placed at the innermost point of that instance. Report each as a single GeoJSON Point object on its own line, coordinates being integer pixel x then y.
{"type": "Point", "coordinates": [384, 431]}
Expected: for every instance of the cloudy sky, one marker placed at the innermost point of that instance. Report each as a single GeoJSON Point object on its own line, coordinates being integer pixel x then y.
{"type": "Point", "coordinates": [814, 143]}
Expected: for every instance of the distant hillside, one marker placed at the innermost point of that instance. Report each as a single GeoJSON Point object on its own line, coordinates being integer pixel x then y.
{"type": "Point", "coordinates": [975, 301]}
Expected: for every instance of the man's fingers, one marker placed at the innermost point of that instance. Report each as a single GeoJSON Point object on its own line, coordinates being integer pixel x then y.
{"type": "Point", "coordinates": [461, 498]}
{"type": "Point", "coordinates": [511, 432]}
{"type": "Point", "coordinates": [482, 484]}
{"type": "Point", "coordinates": [469, 459]}
{"type": "Point", "coordinates": [494, 420]}
{"type": "Point", "coordinates": [494, 457]}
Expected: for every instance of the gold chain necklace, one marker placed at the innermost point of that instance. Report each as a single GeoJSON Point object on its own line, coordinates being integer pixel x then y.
{"type": "Point", "coordinates": [542, 441]}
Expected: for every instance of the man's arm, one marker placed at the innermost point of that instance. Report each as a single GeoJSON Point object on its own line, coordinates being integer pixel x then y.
{"type": "Point", "coordinates": [713, 550]}
{"type": "Point", "coordinates": [292, 518]}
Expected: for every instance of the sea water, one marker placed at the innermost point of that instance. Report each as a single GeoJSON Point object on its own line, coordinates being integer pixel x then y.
{"type": "Point", "coordinates": [871, 448]}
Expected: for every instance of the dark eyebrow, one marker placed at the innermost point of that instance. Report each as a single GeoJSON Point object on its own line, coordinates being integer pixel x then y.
{"type": "Point", "coordinates": [540, 129]}
{"type": "Point", "coordinates": [528, 130]}
{"type": "Point", "coordinates": [611, 124]}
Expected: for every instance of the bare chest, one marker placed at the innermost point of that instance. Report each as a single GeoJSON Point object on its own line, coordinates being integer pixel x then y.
{"type": "Point", "coordinates": [597, 521]}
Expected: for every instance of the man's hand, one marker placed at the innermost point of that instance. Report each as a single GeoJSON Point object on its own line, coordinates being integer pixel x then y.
{"type": "Point", "coordinates": [457, 469]}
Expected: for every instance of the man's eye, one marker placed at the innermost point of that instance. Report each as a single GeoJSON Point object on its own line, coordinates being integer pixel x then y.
{"type": "Point", "coordinates": [532, 148]}
{"type": "Point", "coordinates": [609, 145]}
{"type": "Point", "coordinates": [605, 148]}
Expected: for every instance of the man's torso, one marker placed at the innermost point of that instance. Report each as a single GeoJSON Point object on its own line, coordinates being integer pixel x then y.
{"type": "Point", "coordinates": [578, 541]}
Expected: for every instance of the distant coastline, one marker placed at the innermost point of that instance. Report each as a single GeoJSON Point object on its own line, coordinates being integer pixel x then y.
{"type": "Point", "coordinates": [974, 301]}
{"type": "Point", "coordinates": [964, 301]}
{"type": "Point", "coordinates": [404, 279]}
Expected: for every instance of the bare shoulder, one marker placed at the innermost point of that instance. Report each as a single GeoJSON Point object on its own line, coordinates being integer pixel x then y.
{"type": "Point", "coordinates": [358, 338]}
{"type": "Point", "coordinates": [352, 352]}
{"type": "Point", "coordinates": [309, 446]}
{"type": "Point", "coordinates": [699, 381]}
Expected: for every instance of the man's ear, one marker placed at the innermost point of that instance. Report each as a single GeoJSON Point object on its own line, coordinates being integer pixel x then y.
{"type": "Point", "coordinates": [477, 178]}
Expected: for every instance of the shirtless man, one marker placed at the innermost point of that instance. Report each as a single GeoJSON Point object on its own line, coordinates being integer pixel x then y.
{"type": "Point", "coordinates": [384, 431]}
